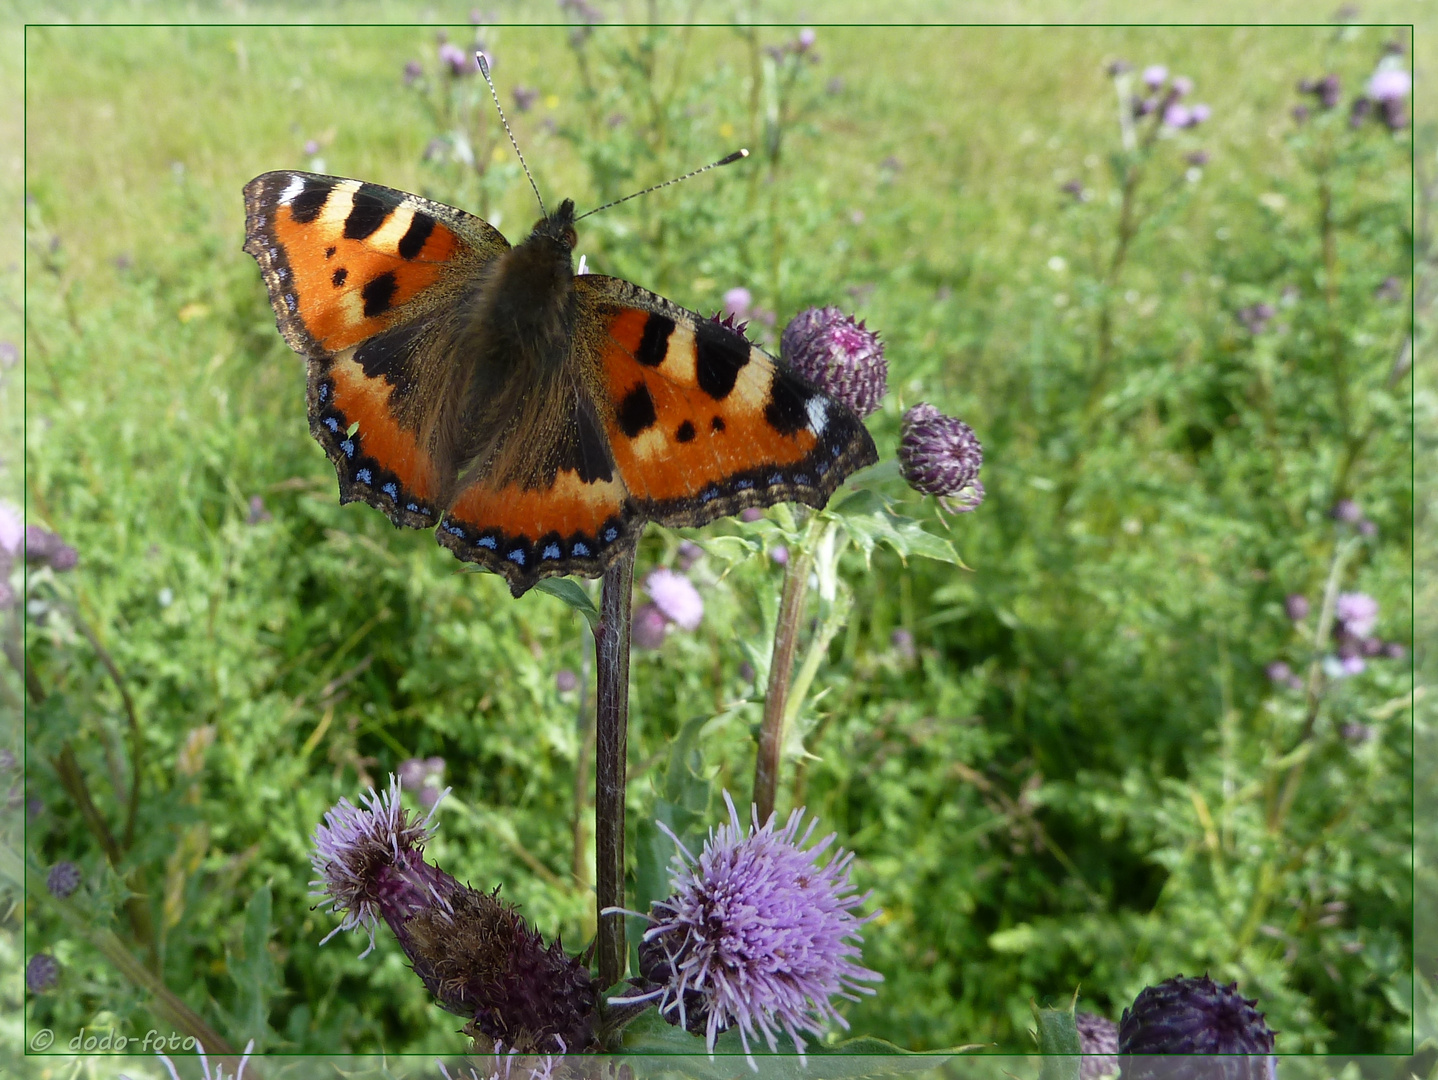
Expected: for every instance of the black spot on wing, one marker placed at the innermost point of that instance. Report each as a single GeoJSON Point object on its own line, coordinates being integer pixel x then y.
{"type": "Point", "coordinates": [636, 411]}
{"type": "Point", "coordinates": [330, 252]}
{"type": "Point", "coordinates": [585, 450]}
{"type": "Point", "coordinates": [654, 343]}
{"type": "Point", "coordinates": [338, 277]}
{"type": "Point", "coordinates": [390, 356]}
{"type": "Point", "coordinates": [685, 432]}
{"type": "Point", "coordinates": [368, 212]}
{"type": "Point", "coordinates": [717, 423]}
{"type": "Point", "coordinates": [720, 353]}
{"type": "Point", "coordinates": [306, 206]}
{"type": "Point", "coordinates": [377, 294]}
{"type": "Point", "coordinates": [788, 397]}
{"type": "Point", "coordinates": [412, 242]}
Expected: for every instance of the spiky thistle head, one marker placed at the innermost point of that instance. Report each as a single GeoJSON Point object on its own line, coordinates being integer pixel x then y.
{"type": "Point", "coordinates": [757, 934]}
{"type": "Point", "coordinates": [1194, 1016]}
{"type": "Point", "coordinates": [940, 455]}
{"type": "Point", "coordinates": [842, 357]}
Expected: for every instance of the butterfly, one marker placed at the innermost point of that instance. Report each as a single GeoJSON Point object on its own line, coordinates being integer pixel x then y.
{"type": "Point", "coordinates": [535, 417]}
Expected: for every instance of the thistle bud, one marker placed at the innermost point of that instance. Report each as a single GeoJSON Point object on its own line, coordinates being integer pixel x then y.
{"type": "Point", "coordinates": [1193, 1016]}
{"type": "Point", "coordinates": [939, 455]}
{"type": "Point", "coordinates": [1098, 1039]}
{"type": "Point", "coordinates": [840, 356]}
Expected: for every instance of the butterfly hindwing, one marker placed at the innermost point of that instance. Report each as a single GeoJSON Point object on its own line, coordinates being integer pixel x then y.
{"type": "Point", "coordinates": [360, 277]}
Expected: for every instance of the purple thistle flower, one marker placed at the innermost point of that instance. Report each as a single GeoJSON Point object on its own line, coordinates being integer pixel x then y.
{"type": "Point", "coordinates": [649, 629]}
{"type": "Point", "coordinates": [412, 71]}
{"type": "Point", "coordinates": [12, 530]}
{"type": "Point", "coordinates": [45, 548]}
{"type": "Point", "coordinates": [1394, 650]}
{"type": "Point", "coordinates": [1193, 1016]}
{"type": "Point", "coordinates": [1330, 91]}
{"type": "Point", "coordinates": [676, 598]}
{"type": "Point", "coordinates": [524, 98]}
{"type": "Point", "coordinates": [1357, 613]}
{"type": "Point", "coordinates": [751, 514]}
{"type": "Point", "coordinates": [737, 302]}
{"type": "Point", "coordinates": [842, 357]}
{"type": "Point", "coordinates": [1154, 76]}
{"type": "Point", "coordinates": [63, 879]}
{"type": "Point", "coordinates": [42, 972]}
{"type": "Point", "coordinates": [1296, 605]}
{"type": "Point", "coordinates": [1353, 665]}
{"type": "Point", "coordinates": [1199, 113]}
{"type": "Point", "coordinates": [805, 40]}
{"type": "Point", "coordinates": [312, 147]}
{"type": "Point", "coordinates": [689, 554]}
{"type": "Point", "coordinates": [473, 953]}
{"type": "Point", "coordinates": [1359, 111]}
{"type": "Point", "coordinates": [756, 934]}
{"type": "Point", "coordinates": [939, 455]}
{"type": "Point", "coordinates": [460, 62]}
{"type": "Point", "coordinates": [1394, 112]}
{"type": "Point", "coordinates": [780, 554]}
{"type": "Point", "coordinates": [1118, 67]}
{"type": "Point", "coordinates": [1098, 1039]}
{"type": "Point", "coordinates": [1182, 86]}
{"type": "Point", "coordinates": [1178, 116]}
{"type": "Point", "coordinates": [1346, 511]}
{"type": "Point", "coordinates": [1278, 671]}
{"type": "Point", "coordinates": [902, 641]}
{"type": "Point", "coordinates": [1389, 85]}
{"type": "Point", "coordinates": [565, 681]}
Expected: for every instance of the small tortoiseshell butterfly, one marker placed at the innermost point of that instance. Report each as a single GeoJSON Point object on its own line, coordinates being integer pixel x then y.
{"type": "Point", "coordinates": [536, 416]}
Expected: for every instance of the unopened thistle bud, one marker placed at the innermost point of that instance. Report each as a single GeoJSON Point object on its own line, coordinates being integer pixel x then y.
{"type": "Point", "coordinates": [1098, 1039]}
{"type": "Point", "coordinates": [1184, 1016]}
{"type": "Point", "coordinates": [840, 356]}
{"type": "Point", "coordinates": [940, 455]}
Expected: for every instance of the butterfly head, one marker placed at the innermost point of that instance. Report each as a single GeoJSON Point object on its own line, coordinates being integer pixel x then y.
{"type": "Point", "coordinates": [558, 226]}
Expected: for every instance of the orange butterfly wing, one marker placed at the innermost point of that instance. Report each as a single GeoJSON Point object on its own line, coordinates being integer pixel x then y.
{"type": "Point", "coordinates": [354, 270]}
{"type": "Point", "coordinates": [693, 421]}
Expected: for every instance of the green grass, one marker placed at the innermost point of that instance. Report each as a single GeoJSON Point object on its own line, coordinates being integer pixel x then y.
{"type": "Point", "coordinates": [1100, 669]}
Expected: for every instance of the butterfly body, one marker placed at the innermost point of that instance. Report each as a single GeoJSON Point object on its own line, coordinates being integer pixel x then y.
{"type": "Point", "coordinates": [536, 418]}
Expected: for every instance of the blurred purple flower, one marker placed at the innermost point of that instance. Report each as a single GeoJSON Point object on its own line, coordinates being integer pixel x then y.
{"type": "Point", "coordinates": [9, 354]}
{"type": "Point", "coordinates": [756, 934]}
{"type": "Point", "coordinates": [1198, 158]}
{"type": "Point", "coordinates": [1371, 646]}
{"type": "Point", "coordinates": [1390, 289]}
{"type": "Point", "coordinates": [7, 760]}
{"type": "Point", "coordinates": [565, 681]}
{"type": "Point", "coordinates": [1355, 732]}
{"type": "Point", "coordinates": [902, 641]}
{"type": "Point", "coordinates": [42, 972]}
{"type": "Point", "coordinates": [1394, 650]}
{"type": "Point", "coordinates": [1143, 106]}
{"type": "Point", "coordinates": [1357, 613]}
{"type": "Point", "coordinates": [1299, 113]}
{"type": "Point", "coordinates": [412, 71]}
{"type": "Point", "coordinates": [1395, 113]}
{"type": "Point", "coordinates": [649, 628]}
{"type": "Point", "coordinates": [1367, 528]}
{"type": "Point", "coordinates": [688, 554]}
{"type": "Point", "coordinates": [1178, 116]}
{"type": "Point", "coordinates": [1182, 86]}
{"type": "Point", "coordinates": [617, 119]}
{"type": "Point", "coordinates": [1074, 188]}
{"type": "Point", "coordinates": [752, 513]}
{"type": "Point", "coordinates": [806, 40]}
{"type": "Point", "coordinates": [1098, 1039]}
{"type": "Point", "coordinates": [312, 147]}
{"type": "Point", "coordinates": [1354, 665]}
{"type": "Point", "coordinates": [44, 548]}
{"type": "Point", "coordinates": [1389, 85]}
{"type": "Point", "coordinates": [12, 529]}
{"type": "Point", "coordinates": [525, 97]}
{"type": "Point", "coordinates": [257, 513]}
{"type": "Point", "coordinates": [1296, 604]}
{"type": "Point", "coordinates": [1278, 671]}
{"type": "Point", "coordinates": [63, 879]}
{"type": "Point", "coordinates": [1193, 1016]}
{"type": "Point", "coordinates": [737, 302]}
{"type": "Point", "coordinates": [1346, 511]}
{"type": "Point", "coordinates": [459, 61]}
{"type": "Point", "coordinates": [1330, 91]}
{"type": "Point", "coordinates": [1359, 111]}
{"type": "Point", "coordinates": [746, 671]}
{"type": "Point", "coordinates": [1154, 76]}
{"type": "Point", "coordinates": [676, 598]}
{"type": "Point", "coordinates": [582, 10]}
{"type": "Point", "coordinates": [940, 455]}
{"type": "Point", "coordinates": [1200, 113]}
{"type": "Point", "coordinates": [780, 554]}
{"type": "Point", "coordinates": [1118, 67]}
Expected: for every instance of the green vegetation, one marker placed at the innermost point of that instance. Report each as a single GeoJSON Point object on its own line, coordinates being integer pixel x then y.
{"type": "Point", "coordinates": [1063, 767]}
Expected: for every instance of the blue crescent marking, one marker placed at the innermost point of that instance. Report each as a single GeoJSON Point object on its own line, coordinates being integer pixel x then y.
{"type": "Point", "coordinates": [348, 447]}
{"type": "Point", "coordinates": [332, 423]}
{"type": "Point", "coordinates": [611, 535]}
{"type": "Point", "coordinates": [801, 479]}
{"type": "Point", "coordinates": [580, 549]}
{"type": "Point", "coordinates": [708, 494]}
{"type": "Point", "coordinates": [364, 476]}
{"type": "Point", "coordinates": [454, 530]}
{"type": "Point", "coordinates": [516, 556]}
{"type": "Point", "coordinates": [324, 394]}
{"type": "Point", "coordinates": [487, 542]}
{"type": "Point", "coordinates": [391, 489]}
{"type": "Point", "coordinates": [777, 478]}
{"type": "Point", "coordinates": [743, 485]}
{"type": "Point", "coordinates": [551, 551]}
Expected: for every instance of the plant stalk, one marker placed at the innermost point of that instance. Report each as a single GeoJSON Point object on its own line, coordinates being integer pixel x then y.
{"type": "Point", "coordinates": [611, 724]}
{"type": "Point", "coordinates": [781, 664]}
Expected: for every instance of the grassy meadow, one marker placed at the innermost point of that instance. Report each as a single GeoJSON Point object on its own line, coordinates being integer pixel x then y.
{"type": "Point", "coordinates": [1067, 763]}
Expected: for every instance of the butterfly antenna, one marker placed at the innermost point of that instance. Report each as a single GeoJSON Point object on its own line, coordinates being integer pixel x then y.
{"type": "Point", "coordinates": [737, 155]}
{"type": "Point", "coordinates": [484, 70]}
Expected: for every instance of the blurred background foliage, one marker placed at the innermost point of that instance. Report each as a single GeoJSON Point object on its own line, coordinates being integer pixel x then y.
{"type": "Point", "coordinates": [1072, 764]}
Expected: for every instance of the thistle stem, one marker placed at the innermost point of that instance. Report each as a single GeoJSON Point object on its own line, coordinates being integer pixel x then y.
{"type": "Point", "coordinates": [611, 722]}
{"type": "Point", "coordinates": [781, 664]}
